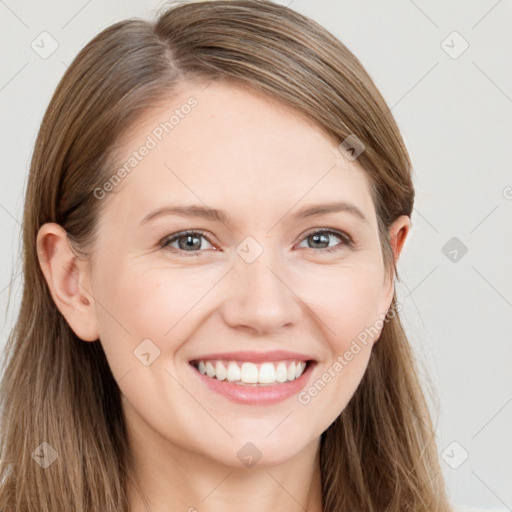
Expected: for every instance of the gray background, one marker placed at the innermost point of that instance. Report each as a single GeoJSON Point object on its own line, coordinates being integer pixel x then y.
{"type": "Point", "coordinates": [454, 108]}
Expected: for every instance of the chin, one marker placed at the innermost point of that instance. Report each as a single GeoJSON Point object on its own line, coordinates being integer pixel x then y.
{"type": "Point", "coordinates": [262, 447]}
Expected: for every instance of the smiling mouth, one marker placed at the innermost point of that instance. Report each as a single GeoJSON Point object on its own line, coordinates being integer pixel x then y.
{"type": "Point", "coordinates": [252, 374]}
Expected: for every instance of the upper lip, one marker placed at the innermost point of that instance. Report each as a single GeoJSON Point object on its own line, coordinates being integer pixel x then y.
{"type": "Point", "coordinates": [255, 357]}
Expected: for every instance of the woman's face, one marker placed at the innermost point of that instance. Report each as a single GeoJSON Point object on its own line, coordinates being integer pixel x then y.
{"type": "Point", "coordinates": [256, 278]}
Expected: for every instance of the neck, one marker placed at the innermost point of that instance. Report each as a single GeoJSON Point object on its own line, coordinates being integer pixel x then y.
{"type": "Point", "coordinates": [170, 478]}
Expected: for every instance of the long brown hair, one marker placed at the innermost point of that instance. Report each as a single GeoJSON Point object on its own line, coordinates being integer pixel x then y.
{"type": "Point", "coordinates": [380, 453]}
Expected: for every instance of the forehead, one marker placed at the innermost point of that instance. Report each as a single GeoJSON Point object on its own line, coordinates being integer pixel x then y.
{"type": "Point", "coordinates": [232, 148]}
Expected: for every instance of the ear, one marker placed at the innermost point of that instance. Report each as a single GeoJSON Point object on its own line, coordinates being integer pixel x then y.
{"type": "Point", "coordinates": [68, 280]}
{"type": "Point", "coordinates": [398, 232]}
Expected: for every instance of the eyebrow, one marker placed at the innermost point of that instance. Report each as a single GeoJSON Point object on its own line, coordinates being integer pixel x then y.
{"type": "Point", "coordinates": [207, 213]}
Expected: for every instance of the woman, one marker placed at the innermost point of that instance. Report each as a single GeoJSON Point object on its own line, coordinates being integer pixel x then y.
{"type": "Point", "coordinates": [183, 342]}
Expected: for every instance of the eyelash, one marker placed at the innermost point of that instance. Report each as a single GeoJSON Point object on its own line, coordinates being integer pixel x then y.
{"type": "Point", "coordinates": [346, 240]}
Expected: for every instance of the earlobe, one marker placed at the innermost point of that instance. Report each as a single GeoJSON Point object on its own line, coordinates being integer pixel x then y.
{"type": "Point", "coordinates": [67, 280]}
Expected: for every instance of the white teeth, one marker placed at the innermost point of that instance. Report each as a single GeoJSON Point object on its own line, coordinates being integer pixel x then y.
{"type": "Point", "coordinates": [281, 373]}
{"type": "Point", "coordinates": [299, 369]}
{"type": "Point", "coordinates": [249, 373]}
{"type": "Point", "coordinates": [220, 371]}
{"type": "Point", "coordinates": [252, 373]}
{"type": "Point", "coordinates": [210, 370]}
{"type": "Point", "coordinates": [291, 371]}
{"type": "Point", "coordinates": [233, 372]}
{"type": "Point", "coordinates": [267, 373]}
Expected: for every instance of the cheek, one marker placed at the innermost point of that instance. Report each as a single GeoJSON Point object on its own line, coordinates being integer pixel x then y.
{"type": "Point", "coordinates": [136, 304]}
{"type": "Point", "coordinates": [129, 310]}
{"type": "Point", "coordinates": [347, 304]}
{"type": "Point", "coordinates": [346, 299]}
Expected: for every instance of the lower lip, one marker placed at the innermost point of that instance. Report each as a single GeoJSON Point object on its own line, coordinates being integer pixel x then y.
{"type": "Point", "coordinates": [257, 395]}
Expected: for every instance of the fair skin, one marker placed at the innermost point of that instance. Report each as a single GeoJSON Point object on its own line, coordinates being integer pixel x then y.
{"type": "Point", "coordinates": [260, 162]}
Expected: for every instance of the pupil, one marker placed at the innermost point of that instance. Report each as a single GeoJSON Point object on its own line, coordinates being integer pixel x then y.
{"type": "Point", "coordinates": [189, 242]}
{"type": "Point", "coordinates": [317, 236]}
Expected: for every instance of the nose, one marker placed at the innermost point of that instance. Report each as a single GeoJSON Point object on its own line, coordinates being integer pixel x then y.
{"type": "Point", "coordinates": [258, 297]}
